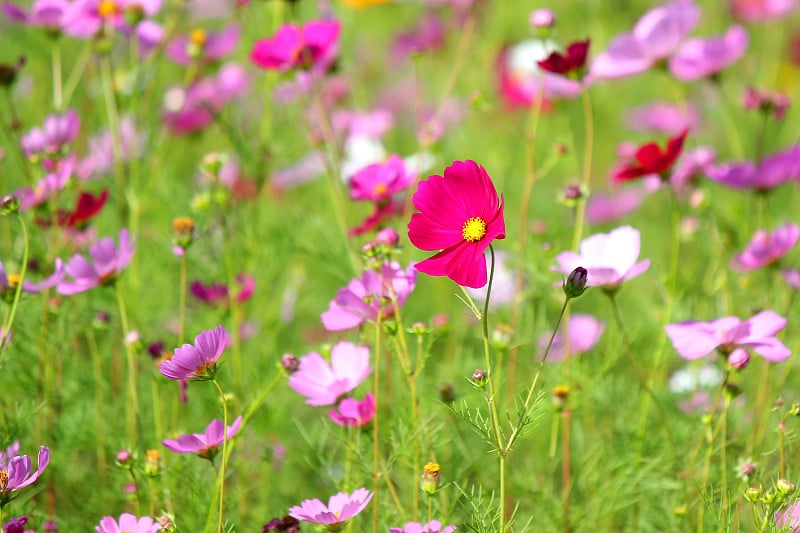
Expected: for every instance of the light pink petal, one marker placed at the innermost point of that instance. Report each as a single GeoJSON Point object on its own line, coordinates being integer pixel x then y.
{"type": "Point", "coordinates": [691, 340]}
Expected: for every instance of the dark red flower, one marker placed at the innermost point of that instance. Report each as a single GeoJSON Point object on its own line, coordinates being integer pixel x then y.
{"type": "Point", "coordinates": [574, 59]}
{"type": "Point", "coordinates": [86, 208]}
{"type": "Point", "coordinates": [650, 159]}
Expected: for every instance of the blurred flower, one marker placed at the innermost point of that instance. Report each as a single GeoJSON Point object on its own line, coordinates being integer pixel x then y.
{"type": "Point", "coordinates": [15, 471]}
{"type": "Point", "coordinates": [692, 378]}
{"type": "Point", "coordinates": [217, 293]}
{"type": "Point", "coordinates": [699, 58]}
{"type": "Point", "coordinates": [127, 523]}
{"type": "Point", "coordinates": [542, 18]}
{"type": "Point", "coordinates": [203, 46]}
{"type": "Point", "coordinates": [461, 214]}
{"type": "Point", "coordinates": [351, 412]}
{"type": "Point", "coordinates": [661, 117]}
{"type": "Point", "coordinates": [609, 207]}
{"type": "Point", "coordinates": [651, 159]}
{"type": "Point", "coordinates": [49, 14]}
{"type": "Point", "coordinates": [504, 286]}
{"type": "Point", "coordinates": [16, 525]}
{"type": "Point", "coordinates": [322, 383]}
{"type": "Point", "coordinates": [523, 81]}
{"type": "Point", "coordinates": [56, 179]}
{"type": "Point", "coordinates": [434, 526]}
{"type": "Point", "coordinates": [315, 45]}
{"type": "Point", "coordinates": [772, 171]}
{"type": "Point", "coordinates": [766, 101]}
{"type": "Point", "coordinates": [609, 258]}
{"type": "Point", "coordinates": [288, 524]}
{"type": "Point", "coordinates": [766, 248]}
{"type": "Point", "coordinates": [9, 282]}
{"type": "Point", "coordinates": [340, 507]}
{"type": "Point", "coordinates": [109, 262]}
{"type": "Point", "coordinates": [792, 277]}
{"type": "Point", "coordinates": [379, 181]}
{"type": "Point", "coordinates": [427, 36]}
{"type": "Point", "coordinates": [762, 10]}
{"type": "Point", "coordinates": [86, 18]}
{"type": "Point", "coordinates": [198, 361]}
{"type": "Point", "coordinates": [100, 160]}
{"type": "Point", "coordinates": [655, 37]}
{"type": "Point", "coordinates": [573, 60]}
{"type": "Point", "coordinates": [789, 517]}
{"type": "Point", "coordinates": [207, 444]}
{"type": "Point", "coordinates": [58, 131]}
{"type": "Point", "coordinates": [584, 332]}
{"type": "Point", "coordinates": [373, 293]}
{"type": "Point", "coordinates": [693, 339]}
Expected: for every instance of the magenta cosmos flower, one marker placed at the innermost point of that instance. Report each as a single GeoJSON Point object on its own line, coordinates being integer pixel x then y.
{"type": "Point", "coordinates": [699, 58]}
{"type": "Point", "coordinates": [127, 523]}
{"type": "Point", "coordinates": [460, 214]}
{"type": "Point", "coordinates": [609, 258]}
{"type": "Point", "coordinates": [8, 283]}
{"type": "Point", "coordinates": [693, 339]}
{"type": "Point", "coordinates": [49, 14]}
{"type": "Point", "coordinates": [340, 507]}
{"type": "Point", "coordinates": [434, 526]}
{"type": "Point", "coordinates": [322, 383]}
{"type": "Point", "coordinates": [351, 412]}
{"type": "Point", "coordinates": [655, 37]}
{"type": "Point", "coordinates": [584, 332]}
{"type": "Point", "coordinates": [109, 262]}
{"type": "Point", "coordinates": [314, 45]}
{"type": "Point", "coordinates": [198, 361]}
{"type": "Point", "coordinates": [379, 181]}
{"type": "Point", "coordinates": [766, 248]}
{"type": "Point", "coordinates": [372, 294]}
{"type": "Point", "coordinates": [762, 10]}
{"type": "Point", "coordinates": [774, 170]}
{"type": "Point", "coordinates": [15, 471]}
{"type": "Point", "coordinates": [207, 444]}
{"type": "Point", "coordinates": [58, 131]}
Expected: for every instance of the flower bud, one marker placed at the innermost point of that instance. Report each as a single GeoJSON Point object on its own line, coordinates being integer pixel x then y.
{"type": "Point", "coordinates": [430, 478]}
{"type": "Point", "coordinates": [479, 378]}
{"type": "Point", "coordinates": [753, 494]}
{"type": "Point", "coordinates": [387, 237]}
{"type": "Point", "coordinates": [785, 487]}
{"type": "Point", "coordinates": [560, 396]}
{"type": "Point", "coordinates": [8, 73]}
{"type": "Point", "coordinates": [166, 524]}
{"type": "Point", "coordinates": [501, 337]}
{"type": "Point", "coordinates": [419, 328]}
{"type": "Point", "coordinates": [542, 19]}
{"type": "Point", "coordinates": [746, 470]}
{"type": "Point", "coordinates": [183, 228]}
{"type": "Point", "coordinates": [447, 392]}
{"type": "Point", "coordinates": [124, 459]}
{"type": "Point", "coordinates": [9, 205]}
{"type": "Point", "coordinates": [290, 363]}
{"type": "Point", "coordinates": [575, 283]}
{"type": "Point", "coordinates": [152, 463]}
{"type": "Point", "coordinates": [739, 359]}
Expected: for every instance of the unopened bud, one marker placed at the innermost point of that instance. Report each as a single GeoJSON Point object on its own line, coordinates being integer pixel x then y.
{"type": "Point", "coordinates": [575, 283]}
{"type": "Point", "coordinates": [447, 392]}
{"type": "Point", "coordinates": [753, 494]}
{"type": "Point", "coordinates": [560, 396]}
{"type": "Point", "coordinates": [785, 487]}
{"type": "Point", "coordinates": [183, 228]}
{"type": "Point", "coordinates": [739, 359]}
{"type": "Point", "coordinates": [387, 237]}
{"type": "Point", "coordinates": [542, 19]}
{"type": "Point", "coordinates": [479, 378]}
{"type": "Point", "coordinates": [152, 463]}
{"type": "Point", "coordinates": [9, 205]}
{"type": "Point", "coordinates": [430, 478]}
{"type": "Point", "coordinates": [124, 458]}
{"type": "Point", "coordinates": [290, 363]}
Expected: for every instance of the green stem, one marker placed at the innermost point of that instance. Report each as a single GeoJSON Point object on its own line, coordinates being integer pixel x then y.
{"type": "Point", "coordinates": [77, 73]}
{"type": "Point", "coordinates": [107, 80]}
{"type": "Point", "coordinates": [224, 454]}
{"type": "Point", "coordinates": [97, 368]}
{"type": "Point", "coordinates": [182, 302]}
{"type": "Point", "coordinates": [18, 293]}
{"type": "Point", "coordinates": [375, 442]}
{"type": "Point", "coordinates": [132, 409]}
{"type": "Point", "coordinates": [260, 398]}
{"type": "Point", "coordinates": [58, 98]}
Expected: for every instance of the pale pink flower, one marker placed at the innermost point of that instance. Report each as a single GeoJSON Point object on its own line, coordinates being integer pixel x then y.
{"type": "Point", "coordinates": [322, 383]}
{"type": "Point", "coordinates": [661, 117]}
{"type": "Point", "coordinates": [584, 332]}
{"type": "Point", "coordinates": [340, 507]}
{"type": "Point", "coordinates": [762, 10]}
{"type": "Point", "coordinates": [766, 248]}
{"type": "Point", "coordinates": [700, 58]}
{"type": "Point", "coordinates": [127, 523]}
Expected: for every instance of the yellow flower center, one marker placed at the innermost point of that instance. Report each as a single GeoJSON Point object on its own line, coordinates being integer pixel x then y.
{"type": "Point", "coordinates": [380, 189]}
{"type": "Point", "coordinates": [474, 229]}
{"type": "Point", "coordinates": [107, 8]}
{"type": "Point", "coordinates": [3, 480]}
{"type": "Point", "coordinates": [13, 280]}
{"type": "Point", "coordinates": [198, 37]}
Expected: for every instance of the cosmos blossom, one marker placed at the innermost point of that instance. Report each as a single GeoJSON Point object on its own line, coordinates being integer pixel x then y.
{"type": "Point", "coordinates": [766, 248]}
{"type": "Point", "coordinates": [351, 412]}
{"type": "Point", "coordinates": [16, 471]}
{"type": "Point", "coordinates": [204, 46]}
{"type": "Point", "coordinates": [322, 383]}
{"type": "Point", "coordinates": [700, 58]}
{"type": "Point", "coordinates": [206, 444]}
{"type": "Point", "coordinates": [434, 526]}
{"type": "Point", "coordinates": [694, 339]}
{"type": "Point", "coordinates": [574, 59]}
{"type": "Point", "coordinates": [108, 263]}
{"type": "Point", "coordinates": [315, 44]}
{"type": "Point", "coordinates": [460, 214]}
{"type": "Point", "coordinates": [774, 170]}
{"type": "Point", "coordinates": [651, 159]}
{"type": "Point", "coordinates": [127, 523]}
{"type": "Point", "coordinates": [584, 332]}
{"type": "Point", "coordinates": [341, 507]}
{"type": "Point", "coordinates": [58, 131]}
{"type": "Point", "coordinates": [198, 360]}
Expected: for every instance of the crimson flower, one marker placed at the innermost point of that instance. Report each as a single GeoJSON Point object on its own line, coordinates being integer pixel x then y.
{"type": "Point", "coordinates": [651, 159]}
{"type": "Point", "coordinates": [460, 214]}
{"type": "Point", "coordinates": [86, 208]}
{"type": "Point", "coordinates": [574, 59]}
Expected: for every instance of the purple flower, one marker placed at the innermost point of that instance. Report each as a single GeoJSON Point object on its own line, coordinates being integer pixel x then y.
{"type": "Point", "coordinates": [128, 523]}
{"type": "Point", "coordinates": [49, 14]}
{"type": "Point", "coordinates": [101, 150]}
{"type": "Point", "coordinates": [661, 117]}
{"type": "Point", "coordinates": [315, 45]}
{"type": "Point", "coordinates": [789, 517]}
{"type": "Point", "coordinates": [609, 207]}
{"type": "Point", "coordinates": [340, 507]}
{"type": "Point", "coordinates": [609, 258]}
{"type": "Point", "coordinates": [16, 525]}
{"type": "Point", "coordinates": [792, 277]}
{"type": "Point", "coordinates": [693, 339]}
{"type": "Point", "coordinates": [109, 262]}
{"type": "Point", "coordinates": [655, 37]}
{"type": "Point", "coordinates": [58, 131]}
{"type": "Point", "coordinates": [773, 171]}
{"type": "Point", "coordinates": [8, 283]}
{"type": "Point", "coordinates": [434, 526]}
{"type": "Point", "coordinates": [373, 293]}
{"type": "Point", "coordinates": [427, 36]}
{"type": "Point", "coordinates": [204, 46]}
{"type": "Point", "coordinates": [762, 10]}
{"type": "Point", "coordinates": [15, 471]}
{"type": "Point", "coordinates": [88, 17]}
{"type": "Point", "coordinates": [322, 383]}
{"type": "Point", "coordinates": [584, 332]}
{"type": "Point", "coordinates": [211, 294]}
{"type": "Point", "coordinates": [766, 248]}
{"type": "Point", "coordinates": [691, 166]}
{"type": "Point", "coordinates": [56, 179]}
{"type": "Point", "coordinates": [699, 58]}
{"type": "Point", "coordinates": [207, 444]}
{"type": "Point", "coordinates": [198, 360]}
{"type": "Point", "coordinates": [351, 412]}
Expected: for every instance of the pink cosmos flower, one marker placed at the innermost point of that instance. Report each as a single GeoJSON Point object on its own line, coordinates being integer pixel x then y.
{"type": "Point", "coordinates": [49, 14]}
{"type": "Point", "coordinates": [691, 166]}
{"type": "Point", "coordinates": [373, 293]}
{"type": "Point", "coordinates": [584, 332]}
{"type": "Point", "coordinates": [198, 360]}
{"type": "Point", "coordinates": [217, 293]}
{"type": "Point", "coordinates": [693, 339]}
{"type": "Point", "coordinates": [774, 170]}
{"type": "Point", "coordinates": [58, 130]}
{"type": "Point", "coordinates": [101, 150]}
{"type": "Point", "coordinates": [427, 36]}
{"type": "Point", "coordinates": [378, 182]}
{"type": "Point", "coordinates": [314, 45]}
{"type": "Point", "coordinates": [17, 525]}
{"type": "Point", "coordinates": [127, 523]}
{"type": "Point", "coordinates": [460, 214]}
{"type": "Point", "coordinates": [766, 248]}
{"type": "Point", "coordinates": [609, 258]}
{"type": "Point", "coordinates": [524, 83]}
{"type": "Point", "coordinates": [766, 101]}
{"type": "Point", "coordinates": [700, 58]}
{"type": "Point", "coordinates": [789, 517]}
{"type": "Point", "coordinates": [109, 262]}
{"type": "Point", "coordinates": [17, 471]}
{"type": "Point", "coordinates": [608, 207]}
{"type": "Point", "coordinates": [762, 10]}
{"type": "Point", "coordinates": [54, 181]}
{"type": "Point", "coordinates": [351, 412]}
{"type": "Point", "coordinates": [434, 526]}
{"type": "Point", "coordinates": [86, 18]}
{"type": "Point", "coordinates": [322, 383]}
{"type": "Point", "coordinates": [661, 117]}
{"type": "Point", "coordinates": [207, 444]}
{"type": "Point", "coordinates": [8, 284]}
{"type": "Point", "coordinates": [340, 507]}
{"type": "Point", "coordinates": [203, 46]}
{"type": "Point", "coordinates": [792, 277]}
{"type": "Point", "coordinates": [655, 37]}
